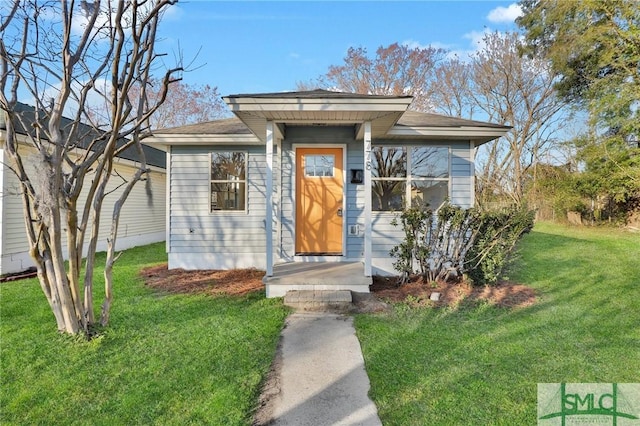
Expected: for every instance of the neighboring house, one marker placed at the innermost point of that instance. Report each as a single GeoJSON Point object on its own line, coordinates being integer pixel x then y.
{"type": "Point", "coordinates": [310, 177]}
{"type": "Point", "coordinates": [142, 219]}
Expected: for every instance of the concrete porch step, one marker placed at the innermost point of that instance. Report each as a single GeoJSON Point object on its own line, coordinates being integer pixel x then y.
{"type": "Point", "coordinates": [317, 300]}
{"type": "Point", "coordinates": [316, 276]}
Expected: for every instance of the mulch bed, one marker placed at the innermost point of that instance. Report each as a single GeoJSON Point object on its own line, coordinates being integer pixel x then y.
{"type": "Point", "coordinates": [417, 291]}
{"type": "Point", "coordinates": [238, 282]}
{"type": "Point", "coordinates": [234, 282]}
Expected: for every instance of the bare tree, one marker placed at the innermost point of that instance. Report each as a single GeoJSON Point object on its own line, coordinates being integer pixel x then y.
{"type": "Point", "coordinates": [451, 91]}
{"type": "Point", "coordinates": [63, 54]}
{"type": "Point", "coordinates": [395, 70]}
{"type": "Point", "coordinates": [184, 104]}
{"type": "Point", "coordinates": [497, 84]}
{"type": "Point", "coordinates": [518, 91]}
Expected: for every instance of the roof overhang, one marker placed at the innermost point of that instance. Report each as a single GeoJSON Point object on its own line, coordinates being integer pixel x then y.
{"type": "Point", "coordinates": [382, 111]}
{"type": "Point", "coordinates": [478, 135]}
{"type": "Point", "coordinates": [389, 117]}
{"type": "Point", "coordinates": [163, 141]}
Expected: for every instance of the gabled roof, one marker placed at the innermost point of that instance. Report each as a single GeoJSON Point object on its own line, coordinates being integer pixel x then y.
{"type": "Point", "coordinates": [388, 114]}
{"type": "Point", "coordinates": [153, 156]}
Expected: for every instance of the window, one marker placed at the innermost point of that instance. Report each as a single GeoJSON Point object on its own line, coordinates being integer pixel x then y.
{"type": "Point", "coordinates": [228, 181]}
{"type": "Point", "coordinates": [409, 176]}
{"type": "Point", "coordinates": [319, 165]}
{"type": "Point", "coordinates": [429, 176]}
{"type": "Point", "coordinates": [388, 178]}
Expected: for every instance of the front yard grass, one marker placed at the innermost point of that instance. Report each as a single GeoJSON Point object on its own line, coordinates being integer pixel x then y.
{"type": "Point", "coordinates": [165, 359]}
{"type": "Point", "coordinates": [480, 364]}
{"type": "Point", "coordinates": [196, 359]}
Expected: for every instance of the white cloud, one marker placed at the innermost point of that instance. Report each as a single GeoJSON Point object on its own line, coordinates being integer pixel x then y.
{"type": "Point", "coordinates": [173, 13]}
{"type": "Point", "coordinates": [460, 54]}
{"type": "Point", "coordinates": [475, 44]}
{"type": "Point", "coordinates": [96, 99]}
{"type": "Point", "coordinates": [505, 14]}
{"type": "Point", "coordinates": [453, 51]}
{"type": "Point", "coordinates": [413, 44]}
{"type": "Point", "coordinates": [107, 10]}
{"type": "Point", "coordinates": [476, 38]}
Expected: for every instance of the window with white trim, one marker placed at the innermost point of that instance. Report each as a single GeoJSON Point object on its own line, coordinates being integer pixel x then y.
{"type": "Point", "coordinates": [409, 176]}
{"type": "Point", "coordinates": [228, 181]}
{"type": "Point", "coordinates": [321, 165]}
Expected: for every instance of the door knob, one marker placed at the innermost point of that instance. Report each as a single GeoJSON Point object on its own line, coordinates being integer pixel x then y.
{"type": "Point", "coordinates": [340, 212]}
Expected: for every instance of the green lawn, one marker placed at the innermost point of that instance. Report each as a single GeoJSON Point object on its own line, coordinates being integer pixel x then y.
{"type": "Point", "coordinates": [176, 359]}
{"type": "Point", "coordinates": [481, 364]}
{"type": "Point", "coordinates": [165, 359]}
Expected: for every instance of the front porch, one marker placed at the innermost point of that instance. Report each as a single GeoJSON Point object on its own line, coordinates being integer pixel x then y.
{"type": "Point", "coordinates": [316, 276]}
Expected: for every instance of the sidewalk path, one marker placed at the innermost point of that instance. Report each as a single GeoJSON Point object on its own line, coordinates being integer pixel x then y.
{"type": "Point", "coordinates": [320, 375]}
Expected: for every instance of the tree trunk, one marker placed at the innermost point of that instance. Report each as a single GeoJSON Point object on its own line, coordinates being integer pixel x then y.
{"type": "Point", "coordinates": [69, 147]}
{"type": "Point", "coordinates": [111, 244]}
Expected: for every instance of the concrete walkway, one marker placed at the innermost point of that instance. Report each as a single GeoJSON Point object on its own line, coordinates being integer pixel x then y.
{"type": "Point", "coordinates": [320, 376]}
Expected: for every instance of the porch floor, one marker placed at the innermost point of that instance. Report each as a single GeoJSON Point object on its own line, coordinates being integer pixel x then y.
{"type": "Point", "coordinates": [317, 276]}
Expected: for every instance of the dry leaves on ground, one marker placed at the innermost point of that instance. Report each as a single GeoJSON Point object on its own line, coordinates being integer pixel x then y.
{"type": "Point", "coordinates": [237, 282]}
{"type": "Point", "coordinates": [505, 293]}
{"type": "Point", "coordinates": [234, 282]}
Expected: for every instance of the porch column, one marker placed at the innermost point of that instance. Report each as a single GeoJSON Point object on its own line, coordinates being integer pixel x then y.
{"type": "Point", "coordinates": [269, 199]}
{"type": "Point", "coordinates": [367, 199]}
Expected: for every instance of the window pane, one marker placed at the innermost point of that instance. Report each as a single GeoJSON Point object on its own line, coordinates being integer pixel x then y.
{"type": "Point", "coordinates": [387, 195]}
{"type": "Point", "coordinates": [228, 196]}
{"type": "Point", "coordinates": [388, 162]}
{"type": "Point", "coordinates": [429, 193]}
{"type": "Point", "coordinates": [319, 165]}
{"type": "Point", "coordinates": [228, 166]}
{"type": "Point", "coordinates": [429, 161]}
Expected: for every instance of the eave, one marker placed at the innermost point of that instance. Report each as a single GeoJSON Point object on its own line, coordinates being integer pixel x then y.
{"type": "Point", "coordinates": [382, 111]}
{"type": "Point", "coordinates": [163, 141]}
{"type": "Point", "coordinates": [479, 135]}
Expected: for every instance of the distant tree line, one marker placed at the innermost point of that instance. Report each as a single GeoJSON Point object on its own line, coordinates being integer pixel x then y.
{"type": "Point", "coordinates": [569, 86]}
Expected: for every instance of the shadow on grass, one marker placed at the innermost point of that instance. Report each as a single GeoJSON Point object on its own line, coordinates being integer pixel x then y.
{"type": "Point", "coordinates": [481, 364]}
{"type": "Point", "coordinates": [175, 359]}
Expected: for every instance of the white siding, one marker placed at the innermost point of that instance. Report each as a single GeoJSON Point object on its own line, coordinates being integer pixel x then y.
{"type": "Point", "coordinates": [2, 219]}
{"type": "Point", "coordinates": [200, 239]}
{"type": "Point", "coordinates": [386, 236]}
{"type": "Point", "coordinates": [355, 201]}
{"type": "Point", "coordinates": [309, 135]}
{"type": "Point", "coordinates": [287, 233]}
{"type": "Point", "coordinates": [15, 248]}
{"type": "Point", "coordinates": [142, 220]}
{"type": "Point", "coordinates": [462, 174]}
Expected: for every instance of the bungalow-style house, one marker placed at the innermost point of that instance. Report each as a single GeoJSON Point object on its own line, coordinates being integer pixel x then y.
{"type": "Point", "coordinates": [142, 220]}
{"type": "Point", "coordinates": [299, 178]}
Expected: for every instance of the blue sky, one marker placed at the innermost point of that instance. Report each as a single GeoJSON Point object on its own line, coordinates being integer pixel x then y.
{"type": "Point", "coordinates": [252, 47]}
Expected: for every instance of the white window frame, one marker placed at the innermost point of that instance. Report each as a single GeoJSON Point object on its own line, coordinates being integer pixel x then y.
{"type": "Point", "coordinates": [321, 176]}
{"type": "Point", "coordinates": [409, 178]}
{"type": "Point", "coordinates": [245, 181]}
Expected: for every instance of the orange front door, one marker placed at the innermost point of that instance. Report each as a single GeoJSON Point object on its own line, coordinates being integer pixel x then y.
{"type": "Point", "coordinates": [319, 181]}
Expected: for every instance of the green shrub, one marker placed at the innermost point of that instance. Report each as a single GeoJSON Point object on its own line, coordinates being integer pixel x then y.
{"type": "Point", "coordinates": [499, 232]}
{"type": "Point", "coordinates": [412, 250]}
{"type": "Point", "coordinates": [458, 241]}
